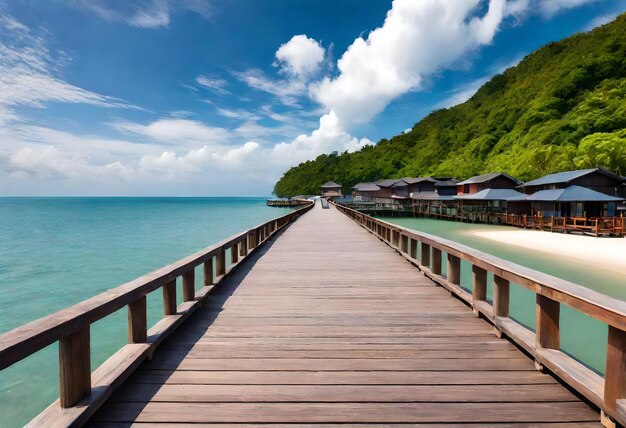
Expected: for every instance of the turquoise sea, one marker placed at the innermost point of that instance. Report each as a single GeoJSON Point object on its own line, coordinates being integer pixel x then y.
{"type": "Point", "coordinates": [582, 337]}
{"type": "Point", "coordinates": [55, 252]}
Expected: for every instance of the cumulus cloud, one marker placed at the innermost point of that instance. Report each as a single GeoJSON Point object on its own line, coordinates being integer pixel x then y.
{"type": "Point", "coordinates": [144, 13]}
{"type": "Point", "coordinates": [330, 136]}
{"type": "Point", "coordinates": [415, 40]}
{"type": "Point", "coordinates": [301, 56]}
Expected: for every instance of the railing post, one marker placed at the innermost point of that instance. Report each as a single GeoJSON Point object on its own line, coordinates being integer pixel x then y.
{"type": "Point", "coordinates": [243, 247]}
{"type": "Point", "coordinates": [454, 269]}
{"type": "Point", "coordinates": [220, 262]}
{"type": "Point", "coordinates": [615, 370]}
{"type": "Point", "coordinates": [413, 252]}
{"type": "Point", "coordinates": [500, 297]}
{"type": "Point", "coordinates": [189, 285]}
{"type": "Point", "coordinates": [479, 285]}
{"type": "Point", "coordinates": [208, 272]}
{"type": "Point", "coordinates": [436, 261]}
{"type": "Point", "coordinates": [137, 321]}
{"type": "Point", "coordinates": [169, 298]}
{"type": "Point", "coordinates": [404, 243]}
{"type": "Point", "coordinates": [234, 253]}
{"type": "Point", "coordinates": [425, 254]}
{"type": "Point", "coordinates": [74, 367]}
{"type": "Point", "coordinates": [547, 331]}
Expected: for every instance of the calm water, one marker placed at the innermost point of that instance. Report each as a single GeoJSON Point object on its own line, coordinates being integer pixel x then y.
{"type": "Point", "coordinates": [582, 337]}
{"type": "Point", "coordinates": [58, 251]}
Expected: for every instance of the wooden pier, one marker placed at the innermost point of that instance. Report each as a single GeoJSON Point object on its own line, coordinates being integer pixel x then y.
{"type": "Point", "coordinates": [318, 322]}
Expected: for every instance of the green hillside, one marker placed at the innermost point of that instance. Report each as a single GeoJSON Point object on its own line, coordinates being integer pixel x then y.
{"type": "Point", "coordinates": [563, 107]}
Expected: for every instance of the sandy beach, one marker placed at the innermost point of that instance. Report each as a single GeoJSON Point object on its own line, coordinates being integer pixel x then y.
{"type": "Point", "coordinates": [604, 253]}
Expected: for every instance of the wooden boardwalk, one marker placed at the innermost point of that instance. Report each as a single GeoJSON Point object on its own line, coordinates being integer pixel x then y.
{"type": "Point", "coordinates": [327, 325]}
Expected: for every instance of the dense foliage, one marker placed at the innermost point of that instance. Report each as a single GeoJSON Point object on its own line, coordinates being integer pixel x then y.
{"type": "Point", "coordinates": [563, 107]}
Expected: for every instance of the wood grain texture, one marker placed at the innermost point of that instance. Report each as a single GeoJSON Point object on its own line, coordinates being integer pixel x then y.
{"type": "Point", "coordinates": [137, 321]}
{"type": "Point", "coordinates": [333, 327]}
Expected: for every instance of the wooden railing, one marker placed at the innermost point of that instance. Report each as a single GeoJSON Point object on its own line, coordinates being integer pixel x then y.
{"type": "Point", "coordinates": [608, 393]}
{"type": "Point", "coordinates": [81, 391]}
{"type": "Point", "coordinates": [590, 225]}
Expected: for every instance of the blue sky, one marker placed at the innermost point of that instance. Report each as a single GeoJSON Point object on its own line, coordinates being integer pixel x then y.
{"type": "Point", "coordinates": [199, 97]}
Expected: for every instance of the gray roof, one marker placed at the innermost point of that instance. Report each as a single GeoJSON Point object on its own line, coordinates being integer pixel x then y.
{"type": "Point", "coordinates": [567, 176]}
{"type": "Point", "coordinates": [446, 183]}
{"type": "Point", "coordinates": [572, 194]}
{"type": "Point", "coordinates": [414, 180]}
{"type": "Point", "coordinates": [366, 187]}
{"type": "Point", "coordinates": [432, 196]}
{"type": "Point", "coordinates": [387, 182]}
{"type": "Point", "coordinates": [494, 195]}
{"type": "Point", "coordinates": [330, 184]}
{"type": "Point", "coordinates": [487, 177]}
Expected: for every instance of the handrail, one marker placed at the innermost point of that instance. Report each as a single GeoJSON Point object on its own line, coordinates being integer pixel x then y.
{"type": "Point", "coordinates": [608, 393]}
{"type": "Point", "coordinates": [82, 391]}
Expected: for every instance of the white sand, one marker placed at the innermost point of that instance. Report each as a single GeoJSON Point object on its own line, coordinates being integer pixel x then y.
{"type": "Point", "coordinates": [604, 253]}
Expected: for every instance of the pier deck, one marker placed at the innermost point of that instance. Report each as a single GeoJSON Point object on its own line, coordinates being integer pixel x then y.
{"type": "Point", "coordinates": [327, 325]}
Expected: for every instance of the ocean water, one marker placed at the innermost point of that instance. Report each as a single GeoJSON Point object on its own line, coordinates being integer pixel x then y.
{"type": "Point", "coordinates": [55, 252]}
{"type": "Point", "coordinates": [581, 336]}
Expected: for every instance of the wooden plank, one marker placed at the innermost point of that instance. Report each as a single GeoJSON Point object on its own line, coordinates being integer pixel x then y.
{"type": "Point", "coordinates": [211, 393]}
{"type": "Point", "coordinates": [348, 377]}
{"type": "Point", "coordinates": [572, 412]}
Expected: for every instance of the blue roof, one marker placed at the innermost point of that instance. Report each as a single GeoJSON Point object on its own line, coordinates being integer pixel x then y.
{"type": "Point", "coordinates": [567, 176]}
{"type": "Point", "coordinates": [494, 195]}
{"type": "Point", "coordinates": [572, 194]}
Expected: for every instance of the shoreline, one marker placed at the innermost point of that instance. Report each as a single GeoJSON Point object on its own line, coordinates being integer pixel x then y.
{"type": "Point", "coordinates": [603, 253]}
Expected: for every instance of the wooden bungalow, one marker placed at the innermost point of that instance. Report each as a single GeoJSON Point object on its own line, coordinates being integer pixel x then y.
{"type": "Point", "coordinates": [597, 179]}
{"type": "Point", "coordinates": [331, 189]}
{"type": "Point", "coordinates": [446, 186]}
{"type": "Point", "coordinates": [489, 205]}
{"type": "Point", "coordinates": [494, 180]}
{"type": "Point", "coordinates": [365, 192]}
{"type": "Point", "coordinates": [575, 202]}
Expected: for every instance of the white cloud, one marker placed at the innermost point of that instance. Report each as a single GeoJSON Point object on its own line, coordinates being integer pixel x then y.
{"type": "Point", "coordinates": [215, 84]}
{"type": "Point", "coordinates": [550, 8]}
{"type": "Point", "coordinates": [28, 74]}
{"type": "Point", "coordinates": [600, 20]}
{"type": "Point", "coordinates": [301, 56]}
{"type": "Point", "coordinates": [177, 131]}
{"type": "Point", "coordinates": [287, 90]}
{"type": "Point", "coordinates": [329, 136]}
{"type": "Point", "coordinates": [416, 39]}
{"type": "Point", "coordinates": [144, 13]}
